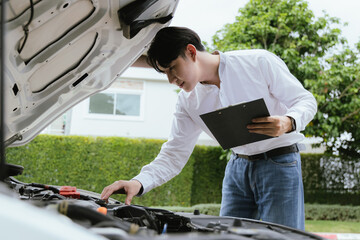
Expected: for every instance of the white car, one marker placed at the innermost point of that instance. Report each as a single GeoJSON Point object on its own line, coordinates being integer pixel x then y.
{"type": "Point", "coordinates": [55, 54]}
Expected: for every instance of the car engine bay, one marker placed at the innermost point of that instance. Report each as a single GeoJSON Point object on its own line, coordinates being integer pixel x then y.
{"type": "Point", "coordinates": [115, 220]}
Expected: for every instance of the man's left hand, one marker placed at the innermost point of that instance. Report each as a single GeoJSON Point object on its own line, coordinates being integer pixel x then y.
{"type": "Point", "coordinates": [273, 126]}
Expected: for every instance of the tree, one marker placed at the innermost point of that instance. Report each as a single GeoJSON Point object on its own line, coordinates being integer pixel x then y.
{"type": "Point", "coordinates": [310, 48]}
{"type": "Point", "coordinates": [337, 92]}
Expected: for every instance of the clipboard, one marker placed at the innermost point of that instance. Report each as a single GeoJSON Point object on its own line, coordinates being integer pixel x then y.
{"type": "Point", "coordinates": [228, 125]}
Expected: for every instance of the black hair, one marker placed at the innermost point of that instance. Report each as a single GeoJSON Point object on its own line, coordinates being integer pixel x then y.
{"type": "Point", "coordinates": [170, 43]}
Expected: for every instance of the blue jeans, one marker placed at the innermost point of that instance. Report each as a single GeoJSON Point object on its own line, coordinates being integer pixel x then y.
{"type": "Point", "coordinates": [269, 189]}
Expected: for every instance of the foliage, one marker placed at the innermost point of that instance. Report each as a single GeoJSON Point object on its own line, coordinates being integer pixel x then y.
{"type": "Point", "coordinates": [331, 179]}
{"type": "Point", "coordinates": [332, 212]}
{"type": "Point", "coordinates": [208, 175]}
{"type": "Point", "coordinates": [93, 163]}
{"type": "Point", "coordinates": [308, 46]}
{"type": "Point", "coordinates": [337, 92]}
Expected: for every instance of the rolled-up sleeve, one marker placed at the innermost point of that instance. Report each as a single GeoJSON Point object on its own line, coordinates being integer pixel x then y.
{"type": "Point", "coordinates": [301, 104]}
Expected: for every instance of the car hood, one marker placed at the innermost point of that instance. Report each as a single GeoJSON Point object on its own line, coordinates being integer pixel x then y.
{"type": "Point", "coordinates": [57, 53]}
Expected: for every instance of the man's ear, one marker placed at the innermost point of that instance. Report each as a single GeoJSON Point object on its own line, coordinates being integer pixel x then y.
{"type": "Point", "coordinates": [191, 49]}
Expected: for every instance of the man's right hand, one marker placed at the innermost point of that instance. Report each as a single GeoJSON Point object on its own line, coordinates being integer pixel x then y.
{"type": "Point", "coordinates": [131, 189]}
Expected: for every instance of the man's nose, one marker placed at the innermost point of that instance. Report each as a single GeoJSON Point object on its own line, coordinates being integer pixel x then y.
{"type": "Point", "coordinates": [170, 77]}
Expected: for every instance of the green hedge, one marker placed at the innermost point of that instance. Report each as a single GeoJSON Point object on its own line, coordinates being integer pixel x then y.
{"type": "Point", "coordinates": [330, 179]}
{"type": "Point", "coordinates": [332, 212]}
{"type": "Point", "coordinates": [93, 163]}
{"type": "Point", "coordinates": [312, 211]}
{"type": "Point", "coordinates": [207, 176]}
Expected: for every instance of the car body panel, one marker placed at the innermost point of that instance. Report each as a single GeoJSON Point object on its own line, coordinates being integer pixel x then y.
{"type": "Point", "coordinates": [73, 49]}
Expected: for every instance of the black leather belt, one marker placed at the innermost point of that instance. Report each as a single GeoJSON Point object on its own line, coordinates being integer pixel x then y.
{"type": "Point", "coordinates": [271, 153]}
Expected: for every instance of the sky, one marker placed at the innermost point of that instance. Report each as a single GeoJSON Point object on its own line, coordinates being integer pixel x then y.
{"type": "Point", "coordinates": [207, 16]}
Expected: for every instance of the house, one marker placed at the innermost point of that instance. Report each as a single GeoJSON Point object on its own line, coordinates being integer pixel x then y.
{"type": "Point", "coordinates": [140, 103]}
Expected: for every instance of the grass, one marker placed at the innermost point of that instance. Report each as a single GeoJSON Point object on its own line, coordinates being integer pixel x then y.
{"type": "Point", "coordinates": [332, 226]}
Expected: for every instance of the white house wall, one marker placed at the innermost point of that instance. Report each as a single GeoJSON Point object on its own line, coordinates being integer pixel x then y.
{"type": "Point", "coordinates": [159, 104]}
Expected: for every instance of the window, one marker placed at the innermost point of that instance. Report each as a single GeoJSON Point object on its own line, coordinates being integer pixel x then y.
{"type": "Point", "coordinates": [123, 100]}
{"type": "Point", "coordinates": [115, 104]}
{"type": "Point", "coordinates": [102, 103]}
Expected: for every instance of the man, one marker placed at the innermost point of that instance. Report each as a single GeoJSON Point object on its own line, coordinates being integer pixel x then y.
{"type": "Point", "coordinates": [262, 179]}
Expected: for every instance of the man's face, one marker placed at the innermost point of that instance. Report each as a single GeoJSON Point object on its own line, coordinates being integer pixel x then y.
{"type": "Point", "coordinates": [182, 72]}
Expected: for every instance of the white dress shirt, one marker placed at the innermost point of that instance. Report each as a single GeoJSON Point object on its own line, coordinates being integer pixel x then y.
{"type": "Point", "coordinates": [245, 75]}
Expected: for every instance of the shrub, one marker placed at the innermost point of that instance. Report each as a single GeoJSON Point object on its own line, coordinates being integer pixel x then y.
{"type": "Point", "coordinates": [93, 163]}
{"type": "Point", "coordinates": [332, 212]}
{"type": "Point", "coordinates": [331, 179]}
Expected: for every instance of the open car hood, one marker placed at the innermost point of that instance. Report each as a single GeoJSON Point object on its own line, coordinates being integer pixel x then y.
{"type": "Point", "coordinates": [58, 53]}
